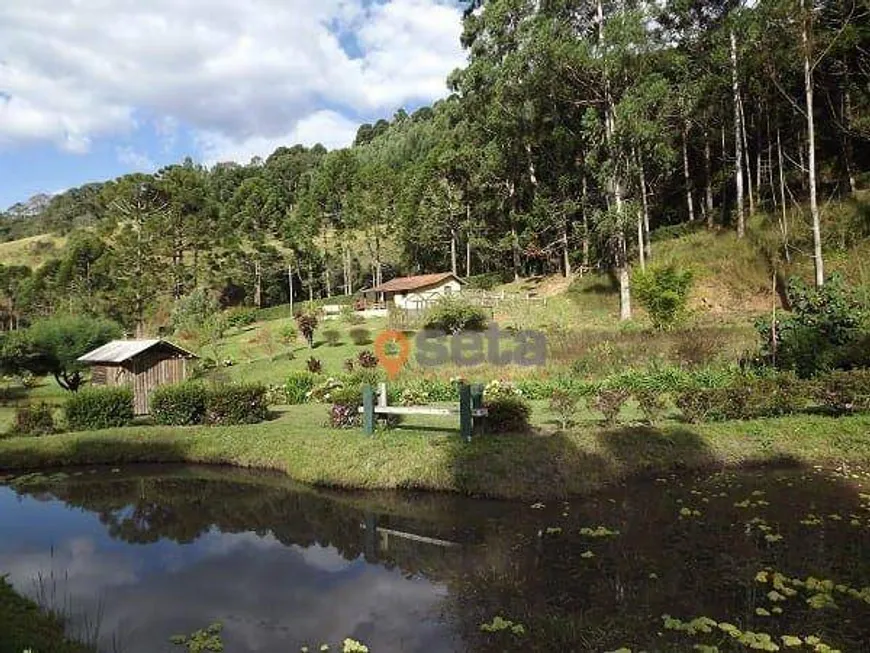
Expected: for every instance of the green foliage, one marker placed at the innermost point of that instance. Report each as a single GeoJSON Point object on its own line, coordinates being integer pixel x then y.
{"type": "Point", "coordinates": [664, 293]}
{"type": "Point", "coordinates": [333, 337]}
{"type": "Point", "coordinates": [826, 330]}
{"type": "Point", "coordinates": [314, 365]}
{"type": "Point", "coordinates": [651, 403]}
{"type": "Point", "coordinates": [207, 640]}
{"type": "Point", "coordinates": [844, 392]}
{"type": "Point", "coordinates": [24, 626]}
{"type": "Point", "coordinates": [182, 404]}
{"type": "Point", "coordinates": [507, 413]}
{"type": "Point", "coordinates": [452, 314]}
{"type": "Point", "coordinates": [609, 402]}
{"type": "Point", "coordinates": [298, 385]}
{"type": "Point", "coordinates": [360, 337]}
{"type": "Point", "coordinates": [307, 323]}
{"type": "Point", "coordinates": [486, 281]}
{"type": "Point", "coordinates": [99, 408]}
{"type": "Point", "coordinates": [350, 316]}
{"type": "Point", "coordinates": [193, 310]}
{"type": "Point", "coordinates": [564, 404]}
{"type": "Point", "coordinates": [237, 404]}
{"type": "Point", "coordinates": [52, 346]}
{"type": "Point", "coordinates": [367, 359]}
{"type": "Point", "coordinates": [288, 334]}
{"type": "Point", "coordinates": [744, 398]}
{"type": "Point", "coordinates": [241, 316]}
{"type": "Point", "coordinates": [33, 420]}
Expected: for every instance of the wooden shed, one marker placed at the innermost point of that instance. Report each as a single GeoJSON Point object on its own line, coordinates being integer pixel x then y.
{"type": "Point", "coordinates": [142, 364]}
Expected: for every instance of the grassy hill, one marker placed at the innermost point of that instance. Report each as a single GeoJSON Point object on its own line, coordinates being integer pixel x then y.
{"type": "Point", "coordinates": [31, 252]}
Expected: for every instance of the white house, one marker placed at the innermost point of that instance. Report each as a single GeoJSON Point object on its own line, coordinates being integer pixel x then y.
{"type": "Point", "coordinates": [417, 293]}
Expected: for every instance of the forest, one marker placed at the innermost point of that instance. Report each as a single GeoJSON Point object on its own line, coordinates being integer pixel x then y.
{"type": "Point", "coordinates": [576, 130]}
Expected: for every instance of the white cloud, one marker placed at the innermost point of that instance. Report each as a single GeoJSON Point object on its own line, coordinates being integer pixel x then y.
{"type": "Point", "coordinates": [242, 75]}
{"type": "Point", "coordinates": [135, 160]}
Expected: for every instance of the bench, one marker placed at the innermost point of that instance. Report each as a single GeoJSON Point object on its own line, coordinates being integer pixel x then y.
{"type": "Point", "coordinates": [470, 407]}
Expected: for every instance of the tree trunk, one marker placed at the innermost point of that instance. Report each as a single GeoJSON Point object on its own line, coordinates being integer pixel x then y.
{"type": "Point", "coordinates": [749, 189]}
{"type": "Point", "coordinates": [848, 149]}
{"type": "Point", "coordinates": [708, 174]}
{"type": "Point", "coordinates": [738, 140]}
{"type": "Point", "coordinates": [783, 226]}
{"type": "Point", "coordinates": [640, 240]}
{"type": "Point", "coordinates": [647, 243]}
{"type": "Point", "coordinates": [327, 277]}
{"type": "Point", "coordinates": [310, 283]}
{"type": "Point", "coordinates": [258, 285]}
{"type": "Point", "coordinates": [290, 285]}
{"type": "Point", "coordinates": [585, 217]}
{"type": "Point", "coordinates": [811, 151]}
{"type": "Point", "coordinates": [454, 262]}
{"type": "Point", "coordinates": [566, 258]}
{"type": "Point", "coordinates": [687, 176]}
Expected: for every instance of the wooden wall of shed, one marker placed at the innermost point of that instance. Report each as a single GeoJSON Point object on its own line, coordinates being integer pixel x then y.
{"type": "Point", "coordinates": [151, 370]}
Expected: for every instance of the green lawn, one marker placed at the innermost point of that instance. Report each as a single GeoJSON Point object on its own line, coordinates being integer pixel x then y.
{"type": "Point", "coordinates": [427, 454]}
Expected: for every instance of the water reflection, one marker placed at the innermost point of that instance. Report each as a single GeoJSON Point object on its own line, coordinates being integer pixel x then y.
{"type": "Point", "coordinates": [169, 550]}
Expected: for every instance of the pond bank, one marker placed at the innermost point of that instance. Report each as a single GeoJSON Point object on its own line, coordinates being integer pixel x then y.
{"type": "Point", "coordinates": [430, 458]}
{"type": "Point", "coordinates": [24, 626]}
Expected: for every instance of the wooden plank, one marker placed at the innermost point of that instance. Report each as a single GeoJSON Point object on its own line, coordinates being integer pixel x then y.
{"type": "Point", "coordinates": [423, 410]}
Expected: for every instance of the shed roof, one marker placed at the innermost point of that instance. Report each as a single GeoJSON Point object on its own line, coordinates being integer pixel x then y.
{"type": "Point", "coordinates": [120, 351]}
{"type": "Point", "coordinates": [413, 283]}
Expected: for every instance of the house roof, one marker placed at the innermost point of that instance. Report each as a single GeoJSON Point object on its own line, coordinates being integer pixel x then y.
{"type": "Point", "coordinates": [120, 351]}
{"type": "Point", "coordinates": [413, 283]}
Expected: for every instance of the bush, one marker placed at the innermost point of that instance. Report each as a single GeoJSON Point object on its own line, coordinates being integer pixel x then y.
{"type": "Point", "coordinates": [664, 293]}
{"type": "Point", "coordinates": [307, 323]}
{"type": "Point", "coordinates": [298, 385]}
{"type": "Point", "coordinates": [698, 404]}
{"type": "Point", "coordinates": [609, 401]}
{"type": "Point", "coordinates": [498, 388]}
{"type": "Point", "coordinates": [323, 391]}
{"type": "Point", "coordinates": [314, 365]}
{"type": "Point", "coordinates": [99, 408]}
{"type": "Point", "coordinates": [651, 403]}
{"type": "Point", "coordinates": [507, 414]}
{"type": "Point", "coordinates": [191, 311]}
{"type": "Point", "coordinates": [333, 337]}
{"type": "Point", "coordinates": [367, 360]}
{"type": "Point", "coordinates": [745, 398]}
{"type": "Point", "coordinates": [564, 404]}
{"type": "Point", "coordinates": [844, 392]}
{"type": "Point", "coordinates": [33, 420]}
{"type": "Point", "coordinates": [825, 330]}
{"type": "Point", "coordinates": [414, 396]}
{"type": "Point", "coordinates": [236, 404]}
{"type": "Point", "coordinates": [453, 314]}
{"type": "Point", "coordinates": [182, 404]}
{"type": "Point", "coordinates": [288, 334]}
{"type": "Point", "coordinates": [486, 281]}
{"type": "Point", "coordinates": [360, 337]}
{"type": "Point", "coordinates": [241, 317]}
{"type": "Point", "coordinates": [350, 316]}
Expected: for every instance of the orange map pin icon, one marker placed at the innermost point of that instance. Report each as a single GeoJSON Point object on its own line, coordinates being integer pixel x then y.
{"type": "Point", "coordinates": [392, 361]}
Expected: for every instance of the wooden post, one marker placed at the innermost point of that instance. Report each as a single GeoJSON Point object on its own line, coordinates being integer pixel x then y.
{"type": "Point", "coordinates": [368, 410]}
{"type": "Point", "coordinates": [476, 400]}
{"type": "Point", "coordinates": [466, 421]}
{"type": "Point", "coordinates": [382, 394]}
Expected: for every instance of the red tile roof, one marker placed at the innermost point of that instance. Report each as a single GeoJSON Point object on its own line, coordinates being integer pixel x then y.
{"type": "Point", "coordinates": [414, 283]}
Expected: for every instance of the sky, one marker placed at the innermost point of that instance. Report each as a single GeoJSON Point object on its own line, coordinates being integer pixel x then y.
{"type": "Point", "coordinates": [93, 89]}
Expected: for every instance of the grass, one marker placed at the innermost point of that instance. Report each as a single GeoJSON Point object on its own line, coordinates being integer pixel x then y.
{"type": "Point", "coordinates": [23, 625]}
{"type": "Point", "coordinates": [31, 252]}
{"type": "Point", "coordinates": [427, 454]}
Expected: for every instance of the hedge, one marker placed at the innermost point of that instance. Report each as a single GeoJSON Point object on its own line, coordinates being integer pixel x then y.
{"type": "Point", "coordinates": [188, 404]}
{"type": "Point", "coordinates": [99, 408]}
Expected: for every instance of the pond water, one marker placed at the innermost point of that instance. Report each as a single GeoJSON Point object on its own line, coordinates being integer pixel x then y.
{"type": "Point", "coordinates": [144, 553]}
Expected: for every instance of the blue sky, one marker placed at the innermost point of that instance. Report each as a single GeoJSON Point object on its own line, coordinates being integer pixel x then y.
{"type": "Point", "coordinates": [93, 89]}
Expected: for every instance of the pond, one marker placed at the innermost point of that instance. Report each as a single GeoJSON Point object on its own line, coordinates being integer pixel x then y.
{"type": "Point", "coordinates": [134, 556]}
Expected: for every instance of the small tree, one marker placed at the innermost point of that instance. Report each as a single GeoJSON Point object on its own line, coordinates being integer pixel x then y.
{"type": "Point", "coordinates": [307, 323]}
{"type": "Point", "coordinates": [453, 314]}
{"type": "Point", "coordinates": [53, 346]}
{"type": "Point", "coordinates": [664, 294]}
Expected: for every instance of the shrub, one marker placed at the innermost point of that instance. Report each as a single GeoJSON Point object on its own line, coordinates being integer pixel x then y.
{"type": "Point", "coordinates": [333, 337]}
{"type": "Point", "coordinates": [236, 404]}
{"type": "Point", "coordinates": [288, 334]}
{"type": "Point", "coordinates": [367, 359]}
{"type": "Point", "coordinates": [349, 364]}
{"type": "Point", "coordinates": [33, 420]}
{"type": "Point", "coordinates": [241, 317]}
{"type": "Point", "coordinates": [664, 293]}
{"type": "Point", "coordinates": [824, 331]}
{"type": "Point", "coordinates": [486, 281]}
{"type": "Point", "coordinates": [609, 401]}
{"type": "Point", "coordinates": [182, 404]}
{"type": "Point", "coordinates": [651, 403]}
{"type": "Point", "coordinates": [507, 414]}
{"type": "Point", "coordinates": [564, 404]}
{"type": "Point", "coordinates": [323, 391]}
{"type": "Point", "coordinates": [364, 376]}
{"type": "Point", "coordinates": [414, 396]}
{"type": "Point", "coordinates": [192, 310]}
{"type": "Point", "coordinates": [314, 365]}
{"type": "Point", "coordinates": [498, 388]}
{"type": "Point", "coordinates": [298, 385]}
{"type": "Point", "coordinates": [452, 314]}
{"type": "Point", "coordinates": [99, 408]}
{"type": "Point", "coordinates": [344, 416]}
{"type": "Point", "coordinates": [350, 316]}
{"type": "Point", "coordinates": [360, 337]}
{"type": "Point", "coordinates": [698, 404]}
{"type": "Point", "coordinates": [307, 323]}
{"type": "Point", "coordinates": [844, 392]}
